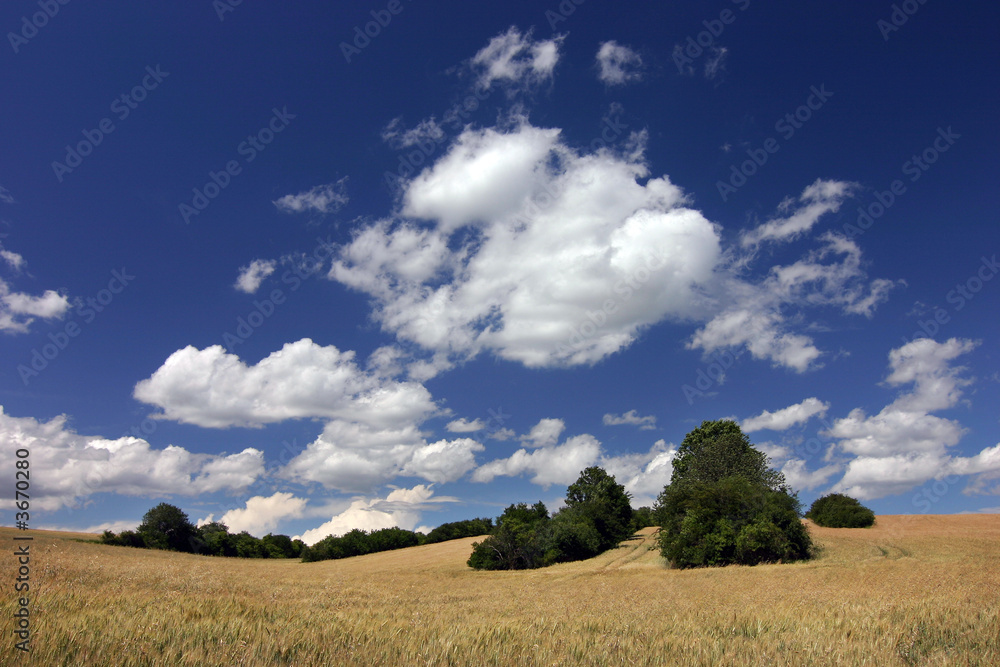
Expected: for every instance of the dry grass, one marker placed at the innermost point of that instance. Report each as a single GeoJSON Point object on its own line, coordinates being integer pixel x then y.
{"type": "Point", "coordinates": [911, 591]}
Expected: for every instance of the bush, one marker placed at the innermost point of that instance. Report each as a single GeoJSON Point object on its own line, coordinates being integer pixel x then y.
{"type": "Point", "coordinates": [839, 511]}
{"type": "Point", "coordinates": [517, 542]}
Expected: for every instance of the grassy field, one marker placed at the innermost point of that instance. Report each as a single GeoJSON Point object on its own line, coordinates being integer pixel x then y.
{"type": "Point", "coordinates": [910, 591]}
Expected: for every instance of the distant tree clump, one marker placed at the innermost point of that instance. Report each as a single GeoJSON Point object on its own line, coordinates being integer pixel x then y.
{"type": "Point", "coordinates": [168, 527]}
{"type": "Point", "coordinates": [724, 505]}
{"type": "Point", "coordinates": [358, 542]}
{"type": "Point", "coordinates": [839, 511]}
{"type": "Point", "coordinates": [643, 518]}
{"type": "Point", "coordinates": [597, 516]}
{"type": "Point", "coordinates": [459, 529]}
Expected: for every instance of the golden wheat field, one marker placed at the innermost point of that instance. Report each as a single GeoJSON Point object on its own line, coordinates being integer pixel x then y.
{"type": "Point", "coordinates": [910, 591]}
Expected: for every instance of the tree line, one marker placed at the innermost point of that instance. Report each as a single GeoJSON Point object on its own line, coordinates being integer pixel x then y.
{"type": "Point", "coordinates": [168, 527]}
{"type": "Point", "coordinates": [724, 505]}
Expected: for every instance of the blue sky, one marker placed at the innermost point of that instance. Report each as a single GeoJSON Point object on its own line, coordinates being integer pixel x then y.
{"type": "Point", "coordinates": [314, 267]}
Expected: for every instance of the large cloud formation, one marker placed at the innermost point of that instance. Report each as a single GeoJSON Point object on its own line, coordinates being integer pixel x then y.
{"type": "Point", "coordinates": [215, 389]}
{"type": "Point", "coordinates": [77, 466]}
{"type": "Point", "coordinates": [905, 444]}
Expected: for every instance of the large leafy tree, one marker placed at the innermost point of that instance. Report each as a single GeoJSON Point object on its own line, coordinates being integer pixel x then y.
{"type": "Point", "coordinates": [725, 505]}
{"type": "Point", "coordinates": [719, 449]}
{"type": "Point", "coordinates": [168, 527]}
{"type": "Point", "coordinates": [604, 503]}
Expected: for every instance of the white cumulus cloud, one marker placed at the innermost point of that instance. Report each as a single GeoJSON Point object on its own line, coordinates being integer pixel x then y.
{"type": "Point", "coordinates": [215, 389]}
{"type": "Point", "coordinates": [780, 420]}
{"type": "Point", "coordinates": [401, 508]}
{"type": "Point", "coordinates": [253, 274]}
{"type": "Point", "coordinates": [73, 467]}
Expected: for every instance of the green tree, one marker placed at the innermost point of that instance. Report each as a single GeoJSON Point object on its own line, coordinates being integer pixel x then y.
{"type": "Point", "coordinates": [599, 499]}
{"type": "Point", "coordinates": [517, 542]}
{"type": "Point", "coordinates": [725, 505]}
{"type": "Point", "coordinates": [643, 518]}
{"type": "Point", "coordinates": [719, 449]}
{"type": "Point", "coordinates": [217, 540]}
{"type": "Point", "coordinates": [168, 527]}
{"type": "Point", "coordinates": [839, 511]}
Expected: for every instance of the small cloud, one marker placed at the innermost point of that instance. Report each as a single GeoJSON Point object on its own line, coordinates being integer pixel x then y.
{"type": "Point", "coordinates": [545, 433]}
{"type": "Point", "coordinates": [14, 260]}
{"type": "Point", "coordinates": [618, 64]}
{"type": "Point", "coordinates": [785, 418]}
{"type": "Point", "coordinates": [5, 196]}
{"type": "Point", "coordinates": [514, 59]}
{"type": "Point", "coordinates": [321, 199]}
{"type": "Point", "coordinates": [631, 417]}
{"type": "Point", "coordinates": [502, 434]}
{"type": "Point", "coordinates": [253, 274]}
{"type": "Point", "coordinates": [465, 426]}
{"type": "Point", "coordinates": [428, 131]}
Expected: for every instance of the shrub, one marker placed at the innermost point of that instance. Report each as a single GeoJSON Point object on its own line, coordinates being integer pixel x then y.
{"type": "Point", "coordinates": [517, 542]}
{"type": "Point", "coordinates": [839, 511]}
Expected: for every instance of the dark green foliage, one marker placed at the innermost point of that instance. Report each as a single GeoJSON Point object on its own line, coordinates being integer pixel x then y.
{"type": "Point", "coordinates": [719, 449]}
{"type": "Point", "coordinates": [358, 543]}
{"type": "Point", "coordinates": [643, 518]}
{"type": "Point", "coordinates": [604, 503]}
{"type": "Point", "coordinates": [517, 541]}
{"type": "Point", "coordinates": [732, 521]}
{"type": "Point", "coordinates": [571, 536]}
{"type": "Point", "coordinates": [217, 541]}
{"type": "Point", "coordinates": [280, 546]}
{"type": "Point", "coordinates": [725, 506]}
{"type": "Point", "coordinates": [167, 527]}
{"type": "Point", "coordinates": [596, 518]}
{"type": "Point", "coordinates": [459, 529]}
{"type": "Point", "coordinates": [839, 511]}
{"type": "Point", "coordinates": [126, 538]}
